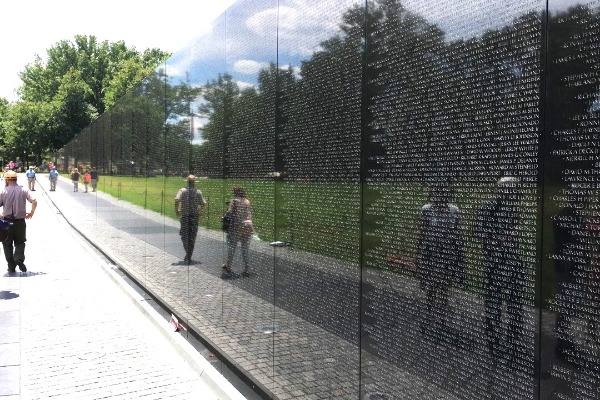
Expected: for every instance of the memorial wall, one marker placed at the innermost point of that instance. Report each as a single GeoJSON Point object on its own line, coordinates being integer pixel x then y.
{"type": "Point", "coordinates": [424, 185]}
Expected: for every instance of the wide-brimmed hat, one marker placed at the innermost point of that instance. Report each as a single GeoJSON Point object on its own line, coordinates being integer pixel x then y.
{"type": "Point", "coordinates": [191, 178]}
{"type": "Point", "coordinates": [10, 175]}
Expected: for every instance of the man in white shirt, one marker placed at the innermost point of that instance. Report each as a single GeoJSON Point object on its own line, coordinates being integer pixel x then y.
{"type": "Point", "coordinates": [31, 179]}
{"type": "Point", "coordinates": [188, 203]}
{"type": "Point", "coordinates": [13, 200]}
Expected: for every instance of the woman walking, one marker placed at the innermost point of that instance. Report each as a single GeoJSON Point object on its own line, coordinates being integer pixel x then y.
{"type": "Point", "coordinates": [241, 228]}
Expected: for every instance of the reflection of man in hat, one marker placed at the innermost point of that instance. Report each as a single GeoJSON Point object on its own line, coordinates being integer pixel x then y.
{"type": "Point", "coordinates": [13, 200]}
{"type": "Point", "coordinates": [497, 227]}
{"type": "Point", "coordinates": [188, 203]}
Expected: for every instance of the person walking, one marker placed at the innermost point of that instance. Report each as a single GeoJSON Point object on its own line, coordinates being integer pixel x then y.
{"type": "Point", "coordinates": [31, 178]}
{"type": "Point", "coordinates": [240, 229]}
{"type": "Point", "coordinates": [497, 227]}
{"type": "Point", "coordinates": [188, 204]}
{"type": "Point", "coordinates": [13, 200]}
{"type": "Point", "coordinates": [440, 261]}
{"type": "Point", "coordinates": [87, 178]}
{"type": "Point", "coordinates": [95, 178]}
{"type": "Point", "coordinates": [53, 179]}
{"type": "Point", "coordinates": [75, 179]}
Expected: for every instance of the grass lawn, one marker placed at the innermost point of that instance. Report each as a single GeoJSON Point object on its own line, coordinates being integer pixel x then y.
{"type": "Point", "coordinates": [324, 218]}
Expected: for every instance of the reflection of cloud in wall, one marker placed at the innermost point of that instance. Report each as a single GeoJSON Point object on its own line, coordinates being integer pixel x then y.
{"type": "Point", "coordinates": [595, 107]}
{"type": "Point", "coordinates": [295, 70]}
{"type": "Point", "coordinates": [562, 5]}
{"type": "Point", "coordinates": [245, 85]}
{"type": "Point", "coordinates": [249, 66]}
{"type": "Point", "coordinates": [469, 18]}
{"type": "Point", "coordinates": [301, 24]}
{"type": "Point", "coordinates": [176, 71]}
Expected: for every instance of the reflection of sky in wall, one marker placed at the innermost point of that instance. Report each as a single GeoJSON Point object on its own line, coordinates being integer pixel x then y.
{"type": "Point", "coordinates": [246, 38]}
{"type": "Point", "coordinates": [304, 24]}
{"type": "Point", "coordinates": [562, 5]}
{"type": "Point", "coordinates": [467, 18]}
{"type": "Point", "coordinates": [249, 50]}
{"type": "Point", "coordinates": [243, 40]}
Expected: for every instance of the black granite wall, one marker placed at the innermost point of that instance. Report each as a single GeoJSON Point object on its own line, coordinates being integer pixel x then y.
{"type": "Point", "coordinates": [425, 187]}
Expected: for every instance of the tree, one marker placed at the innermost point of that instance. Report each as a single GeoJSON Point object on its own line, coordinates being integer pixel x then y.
{"type": "Point", "coordinates": [27, 124]}
{"type": "Point", "coordinates": [219, 96]}
{"type": "Point", "coordinates": [75, 85]}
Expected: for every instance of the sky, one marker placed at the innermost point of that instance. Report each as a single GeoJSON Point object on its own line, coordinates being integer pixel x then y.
{"type": "Point", "coordinates": [30, 27]}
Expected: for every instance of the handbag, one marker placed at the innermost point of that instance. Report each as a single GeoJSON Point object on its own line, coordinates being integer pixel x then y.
{"type": "Point", "coordinates": [226, 221]}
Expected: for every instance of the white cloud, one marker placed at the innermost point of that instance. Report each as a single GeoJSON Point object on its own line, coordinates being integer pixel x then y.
{"type": "Point", "coordinates": [245, 85]}
{"type": "Point", "coordinates": [468, 18]}
{"type": "Point", "coordinates": [301, 24]}
{"type": "Point", "coordinates": [31, 27]}
{"type": "Point", "coordinates": [249, 66]}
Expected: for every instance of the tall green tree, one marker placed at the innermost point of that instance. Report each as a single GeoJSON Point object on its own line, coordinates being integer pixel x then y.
{"type": "Point", "coordinates": [218, 107]}
{"type": "Point", "coordinates": [26, 125]}
{"type": "Point", "coordinates": [75, 83]}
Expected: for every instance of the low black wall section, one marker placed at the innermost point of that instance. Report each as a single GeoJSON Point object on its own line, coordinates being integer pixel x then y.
{"type": "Point", "coordinates": [424, 184]}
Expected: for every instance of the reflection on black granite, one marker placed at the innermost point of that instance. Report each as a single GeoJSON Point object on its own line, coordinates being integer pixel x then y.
{"type": "Point", "coordinates": [432, 167]}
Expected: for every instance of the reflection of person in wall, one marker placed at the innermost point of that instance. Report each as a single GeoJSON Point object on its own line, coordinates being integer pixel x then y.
{"type": "Point", "coordinates": [75, 179]}
{"type": "Point", "coordinates": [188, 205]}
{"type": "Point", "coordinates": [240, 230]}
{"type": "Point", "coordinates": [577, 272]}
{"type": "Point", "coordinates": [566, 226]}
{"type": "Point", "coordinates": [95, 178]}
{"type": "Point", "coordinates": [440, 259]}
{"type": "Point", "coordinates": [497, 227]}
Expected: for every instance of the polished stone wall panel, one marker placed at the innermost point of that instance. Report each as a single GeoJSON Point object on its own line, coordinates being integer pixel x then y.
{"type": "Point", "coordinates": [423, 181]}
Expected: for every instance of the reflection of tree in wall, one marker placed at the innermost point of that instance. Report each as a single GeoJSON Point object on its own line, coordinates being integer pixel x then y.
{"type": "Point", "coordinates": [144, 130]}
{"type": "Point", "coordinates": [251, 144]}
{"type": "Point", "coordinates": [436, 105]}
{"type": "Point", "coordinates": [424, 97]}
{"type": "Point", "coordinates": [219, 97]}
{"type": "Point", "coordinates": [572, 65]}
{"type": "Point", "coordinates": [323, 130]}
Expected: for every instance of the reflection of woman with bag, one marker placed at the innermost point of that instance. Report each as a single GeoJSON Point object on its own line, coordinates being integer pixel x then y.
{"type": "Point", "coordinates": [240, 228]}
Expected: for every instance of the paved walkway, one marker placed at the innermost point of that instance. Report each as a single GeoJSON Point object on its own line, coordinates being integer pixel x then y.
{"type": "Point", "coordinates": [70, 328]}
{"type": "Point", "coordinates": [307, 353]}
{"type": "Point", "coordinates": [294, 326]}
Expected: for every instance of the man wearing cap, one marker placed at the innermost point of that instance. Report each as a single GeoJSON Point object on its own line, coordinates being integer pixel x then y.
{"type": "Point", "coordinates": [31, 179]}
{"type": "Point", "coordinates": [188, 204]}
{"type": "Point", "coordinates": [13, 200]}
{"type": "Point", "coordinates": [53, 179]}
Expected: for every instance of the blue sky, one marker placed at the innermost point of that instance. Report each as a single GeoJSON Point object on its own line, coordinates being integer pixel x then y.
{"type": "Point", "coordinates": [31, 27]}
{"type": "Point", "coordinates": [253, 33]}
{"type": "Point", "coordinates": [176, 24]}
